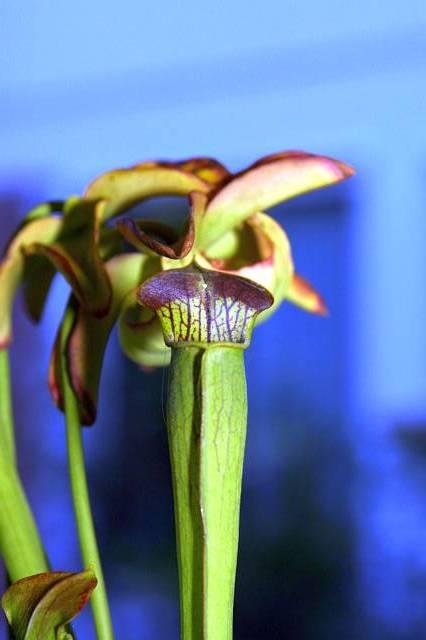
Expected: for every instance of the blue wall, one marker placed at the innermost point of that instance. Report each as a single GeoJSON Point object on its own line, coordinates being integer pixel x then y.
{"type": "Point", "coordinates": [334, 510]}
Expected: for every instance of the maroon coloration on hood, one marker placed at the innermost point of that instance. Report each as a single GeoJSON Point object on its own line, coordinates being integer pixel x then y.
{"type": "Point", "coordinates": [183, 284]}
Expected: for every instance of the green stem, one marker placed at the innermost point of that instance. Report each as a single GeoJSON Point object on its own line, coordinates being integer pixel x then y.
{"type": "Point", "coordinates": [7, 435]}
{"type": "Point", "coordinates": [206, 417]}
{"type": "Point", "coordinates": [20, 544]}
{"type": "Point", "coordinates": [81, 500]}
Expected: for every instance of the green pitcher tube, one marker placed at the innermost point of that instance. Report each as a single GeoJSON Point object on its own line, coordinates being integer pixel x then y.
{"type": "Point", "coordinates": [207, 318]}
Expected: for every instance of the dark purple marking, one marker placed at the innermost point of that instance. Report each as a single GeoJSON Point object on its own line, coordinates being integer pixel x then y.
{"type": "Point", "coordinates": [216, 296]}
{"type": "Point", "coordinates": [160, 238]}
{"type": "Point", "coordinates": [183, 284]}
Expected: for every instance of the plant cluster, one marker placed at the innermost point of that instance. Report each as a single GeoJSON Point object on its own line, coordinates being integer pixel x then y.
{"type": "Point", "coordinates": [187, 297]}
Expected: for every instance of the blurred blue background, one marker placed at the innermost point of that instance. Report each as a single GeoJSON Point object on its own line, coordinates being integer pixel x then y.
{"type": "Point", "coordinates": [333, 535]}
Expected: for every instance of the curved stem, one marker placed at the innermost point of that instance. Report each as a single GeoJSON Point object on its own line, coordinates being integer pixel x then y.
{"type": "Point", "coordinates": [7, 435]}
{"type": "Point", "coordinates": [81, 500]}
{"type": "Point", "coordinates": [206, 417]}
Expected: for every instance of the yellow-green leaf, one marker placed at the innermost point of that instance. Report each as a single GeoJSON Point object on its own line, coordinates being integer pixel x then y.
{"type": "Point", "coordinates": [267, 182]}
{"type": "Point", "coordinates": [141, 337]}
{"type": "Point", "coordinates": [258, 250]}
{"type": "Point", "coordinates": [89, 335]}
{"type": "Point", "coordinates": [122, 188]}
{"type": "Point", "coordinates": [38, 607]}
{"type": "Point", "coordinates": [12, 266]}
{"type": "Point", "coordinates": [76, 254]}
